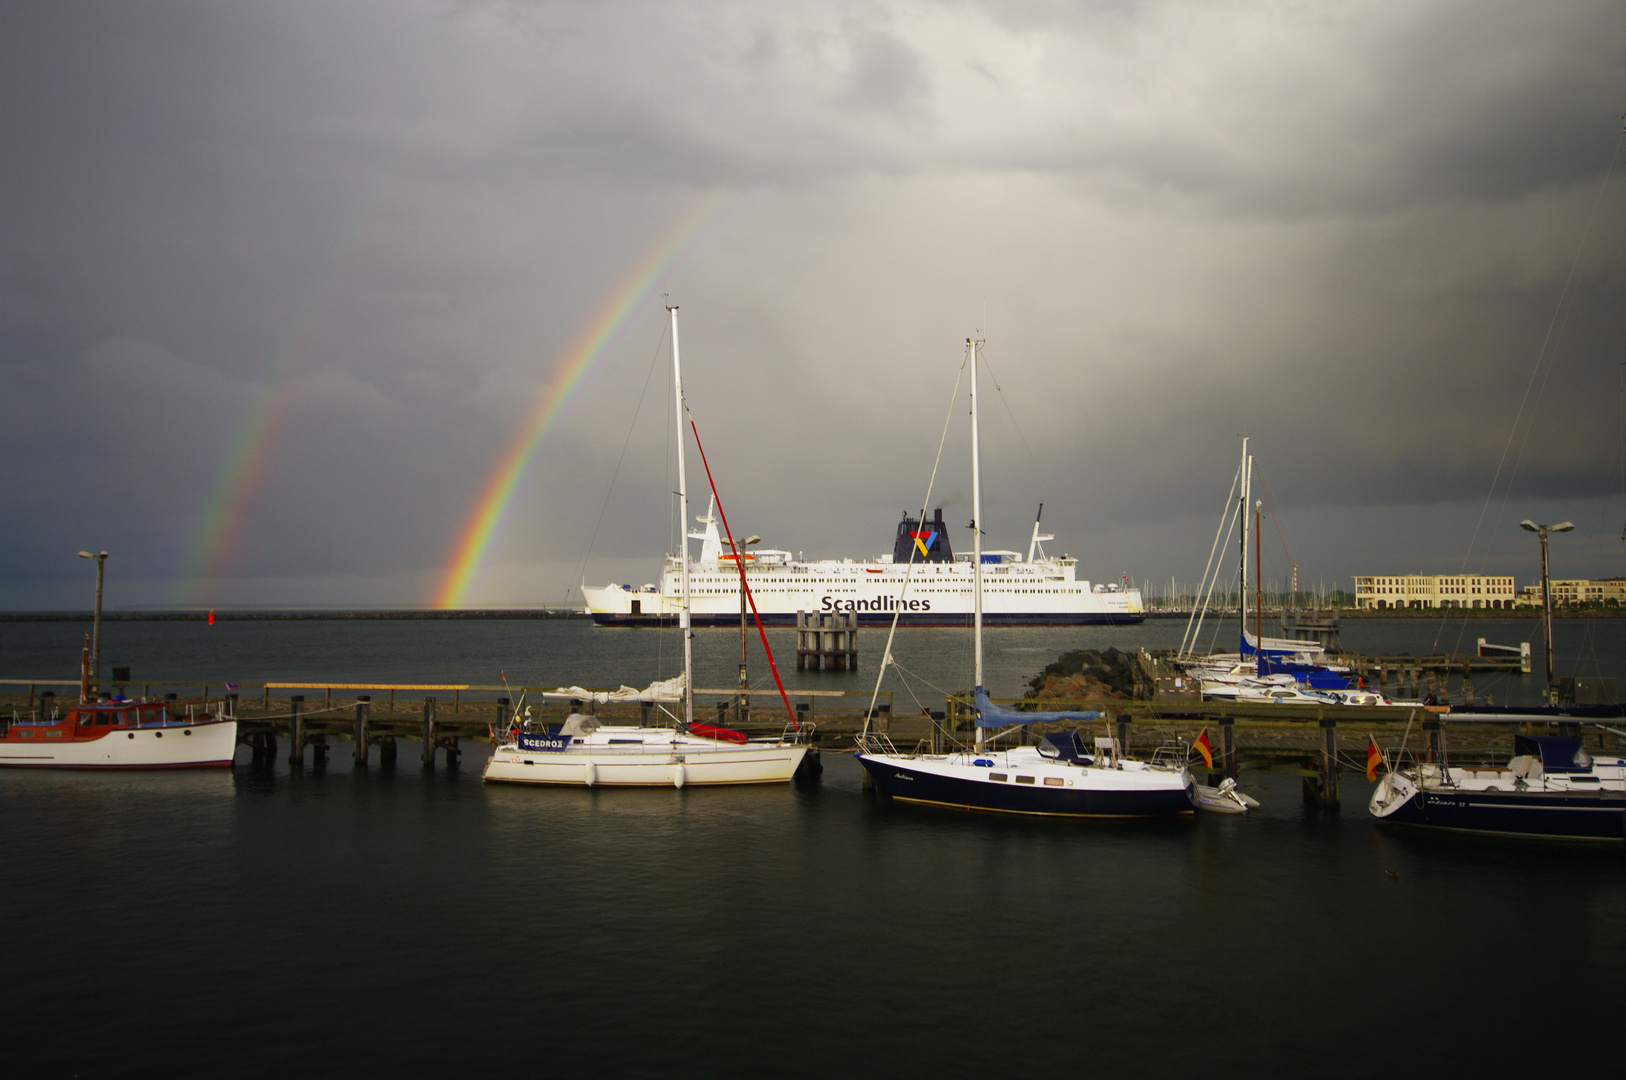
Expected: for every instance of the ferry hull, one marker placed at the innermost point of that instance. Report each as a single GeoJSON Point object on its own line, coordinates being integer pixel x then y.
{"type": "Point", "coordinates": [865, 618]}
{"type": "Point", "coordinates": [189, 746]}
{"type": "Point", "coordinates": [911, 783]}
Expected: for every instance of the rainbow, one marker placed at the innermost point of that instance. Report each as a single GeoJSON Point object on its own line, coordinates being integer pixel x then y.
{"type": "Point", "coordinates": [498, 493]}
{"type": "Point", "coordinates": [220, 529]}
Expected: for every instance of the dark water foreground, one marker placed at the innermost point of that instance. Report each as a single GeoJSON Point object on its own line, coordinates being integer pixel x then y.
{"type": "Point", "coordinates": [411, 924]}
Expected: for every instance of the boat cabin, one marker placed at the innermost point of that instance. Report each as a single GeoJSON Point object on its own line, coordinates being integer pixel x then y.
{"type": "Point", "coordinates": [93, 720]}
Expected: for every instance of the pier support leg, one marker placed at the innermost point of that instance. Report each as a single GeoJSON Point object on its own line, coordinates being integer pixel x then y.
{"type": "Point", "coordinates": [428, 751]}
{"type": "Point", "coordinates": [1124, 720]}
{"type": "Point", "coordinates": [454, 754]}
{"type": "Point", "coordinates": [1431, 732]}
{"type": "Point", "coordinates": [387, 750]}
{"type": "Point", "coordinates": [296, 728]}
{"type": "Point", "coordinates": [1228, 746]}
{"type": "Point", "coordinates": [1321, 789]}
{"type": "Point", "coordinates": [1329, 768]}
{"type": "Point", "coordinates": [363, 706]}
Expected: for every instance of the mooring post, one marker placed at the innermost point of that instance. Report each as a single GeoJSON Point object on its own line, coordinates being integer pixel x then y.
{"type": "Point", "coordinates": [428, 754]}
{"type": "Point", "coordinates": [363, 703]}
{"type": "Point", "coordinates": [1228, 746]}
{"type": "Point", "coordinates": [1431, 731]}
{"type": "Point", "coordinates": [1124, 720]}
{"type": "Point", "coordinates": [47, 704]}
{"type": "Point", "coordinates": [502, 715]}
{"type": "Point", "coordinates": [643, 714]}
{"type": "Point", "coordinates": [1329, 762]}
{"type": "Point", "coordinates": [231, 706]}
{"type": "Point", "coordinates": [296, 726]}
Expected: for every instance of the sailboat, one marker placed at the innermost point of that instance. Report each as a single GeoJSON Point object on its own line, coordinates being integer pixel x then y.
{"type": "Point", "coordinates": [583, 752]}
{"type": "Point", "coordinates": [1060, 777]}
{"type": "Point", "coordinates": [1261, 663]}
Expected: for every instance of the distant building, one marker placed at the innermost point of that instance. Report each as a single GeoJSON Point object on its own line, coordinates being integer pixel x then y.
{"type": "Point", "coordinates": [1570, 591]}
{"type": "Point", "coordinates": [1434, 591]}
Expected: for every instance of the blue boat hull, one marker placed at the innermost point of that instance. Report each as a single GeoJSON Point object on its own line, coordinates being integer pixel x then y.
{"type": "Point", "coordinates": [1556, 814]}
{"type": "Point", "coordinates": [915, 785]}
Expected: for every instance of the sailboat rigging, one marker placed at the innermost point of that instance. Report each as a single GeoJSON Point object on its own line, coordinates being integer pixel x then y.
{"type": "Point", "coordinates": [1060, 777]}
{"type": "Point", "coordinates": [583, 751]}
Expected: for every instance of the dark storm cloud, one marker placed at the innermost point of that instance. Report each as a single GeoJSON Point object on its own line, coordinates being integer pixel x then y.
{"type": "Point", "coordinates": [1344, 229]}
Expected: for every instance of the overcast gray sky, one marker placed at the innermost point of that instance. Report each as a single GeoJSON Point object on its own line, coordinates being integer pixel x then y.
{"type": "Point", "coordinates": [281, 283]}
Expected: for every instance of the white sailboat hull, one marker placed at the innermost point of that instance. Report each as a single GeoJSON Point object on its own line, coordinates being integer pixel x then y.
{"type": "Point", "coordinates": [646, 757]}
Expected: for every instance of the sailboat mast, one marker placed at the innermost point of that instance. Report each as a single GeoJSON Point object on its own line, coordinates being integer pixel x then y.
{"type": "Point", "coordinates": [683, 528]}
{"type": "Point", "coordinates": [976, 528]}
{"type": "Point", "coordinates": [1259, 584]}
{"type": "Point", "coordinates": [1242, 512]}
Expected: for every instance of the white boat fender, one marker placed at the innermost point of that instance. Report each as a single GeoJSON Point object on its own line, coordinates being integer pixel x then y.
{"type": "Point", "coordinates": [591, 776]}
{"type": "Point", "coordinates": [678, 775]}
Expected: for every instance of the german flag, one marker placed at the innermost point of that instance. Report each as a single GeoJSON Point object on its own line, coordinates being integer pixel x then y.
{"type": "Point", "coordinates": [1205, 748]}
{"type": "Point", "coordinates": [1373, 757]}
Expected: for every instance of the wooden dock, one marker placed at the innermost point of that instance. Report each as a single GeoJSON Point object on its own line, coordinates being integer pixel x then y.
{"type": "Point", "coordinates": [827, 641]}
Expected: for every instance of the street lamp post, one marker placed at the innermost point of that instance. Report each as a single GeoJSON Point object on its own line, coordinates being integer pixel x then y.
{"type": "Point", "coordinates": [96, 625]}
{"type": "Point", "coordinates": [1546, 592]}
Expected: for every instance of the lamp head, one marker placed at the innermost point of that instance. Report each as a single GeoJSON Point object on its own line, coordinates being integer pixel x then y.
{"type": "Point", "coordinates": [1530, 525]}
{"type": "Point", "coordinates": [1563, 526]}
{"type": "Point", "coordinates": [752, 539]}
{"type": "Point", "coordinates": [86, 555]}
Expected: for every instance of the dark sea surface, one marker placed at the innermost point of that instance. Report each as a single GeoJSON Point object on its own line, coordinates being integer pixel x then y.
{"type": "Point", "coordinates": [408, 923]}
{"type": "Point", "coordinates": [563, 652]}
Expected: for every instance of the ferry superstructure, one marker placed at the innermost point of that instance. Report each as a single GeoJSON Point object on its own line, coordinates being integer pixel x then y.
{"type": "Point", "coordinates": [1039, 590]}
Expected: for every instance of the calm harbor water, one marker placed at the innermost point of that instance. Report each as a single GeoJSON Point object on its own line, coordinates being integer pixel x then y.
{"type": "Point", "coordinates": [415, 924]}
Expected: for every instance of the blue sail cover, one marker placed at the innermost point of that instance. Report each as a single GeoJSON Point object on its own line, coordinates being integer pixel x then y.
{"type": "Point", "coordinates": [990, 715]}
{"type": "Point", "coordinates": [1558, 753]}
{"type": "Point", "coordinates": [1314, 676]}
{"type": "Point", "coordinates": [1247, 647]}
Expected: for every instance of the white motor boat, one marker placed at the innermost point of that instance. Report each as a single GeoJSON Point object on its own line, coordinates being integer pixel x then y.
{"type": "Point", "coordinates": [121, 734]}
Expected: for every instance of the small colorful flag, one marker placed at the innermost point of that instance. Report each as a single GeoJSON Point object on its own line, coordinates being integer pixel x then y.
{"type": "Point", "coordinates": [232, 687]}
{"type": "Point", "coordinates": [1373, 757]}
{"type": "Point", "coordinates": [1204, 747]}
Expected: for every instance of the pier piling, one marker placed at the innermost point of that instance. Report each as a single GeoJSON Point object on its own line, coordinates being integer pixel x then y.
{"type": "Point", "coordinates": [427, 753]}
{"type": "Point", "coordinates": [828, 641]}
{"type": "Point", "coordinates": [363, 707]}
{"type": "Point", "coordinates": [1124, 720]}
{"type": "Point", "coordinates": [296, 727]}
{"type": "Point", "coordinates": [1228, 746]}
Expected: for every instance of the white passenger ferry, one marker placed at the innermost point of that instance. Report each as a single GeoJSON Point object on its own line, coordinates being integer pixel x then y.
{"type": "Point", "coordinates": [1039, 590]}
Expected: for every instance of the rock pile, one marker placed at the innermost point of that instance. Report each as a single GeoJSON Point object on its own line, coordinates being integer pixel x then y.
{"type": "Point", "coordinates": [1086, 675]}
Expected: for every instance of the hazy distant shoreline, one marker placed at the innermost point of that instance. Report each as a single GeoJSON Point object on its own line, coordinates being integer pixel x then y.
{"type": "Point", "coordinates": [561, 613]}
{"type": "Point", "coordinates": [243, 616]}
